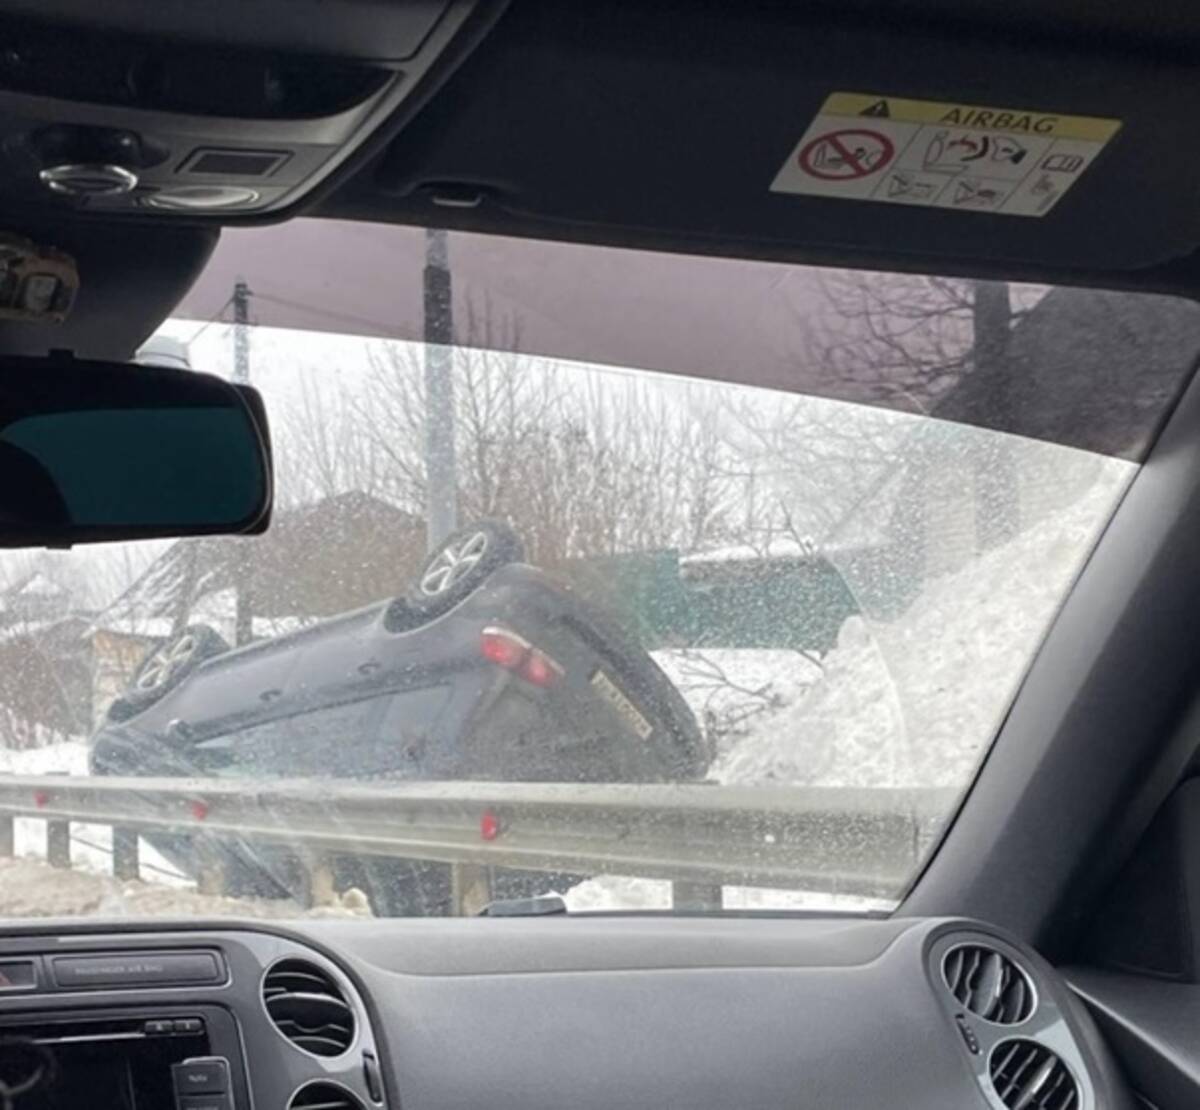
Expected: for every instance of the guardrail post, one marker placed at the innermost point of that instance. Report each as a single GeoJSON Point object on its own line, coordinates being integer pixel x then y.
{"type": "Point", "coordinates": [689, 895]}
{"type": "Point", "coordinates": [311, 881]}
{"type": "Point", "coordinates": [126, 864]}
{"type": "Point", "coordinates": [58, 843]}
{"type": "Point", "coordinates": [8, 837]}
{"type": "Point", "coordinates": [470, 888]}
{"type": "Point", "coordinates": [210, 868]}
{"type": "Point", "coordinates": [320, 882]}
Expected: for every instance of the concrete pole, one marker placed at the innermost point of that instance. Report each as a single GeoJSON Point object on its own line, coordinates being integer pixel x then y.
{"type": "Point", "coordinates": [244, 605]}
{"type": "Point", "coordinates": [441, 483]}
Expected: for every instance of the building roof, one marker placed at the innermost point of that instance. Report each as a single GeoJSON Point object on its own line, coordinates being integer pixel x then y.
{"type": "Point", "coordinates": [317, 559]}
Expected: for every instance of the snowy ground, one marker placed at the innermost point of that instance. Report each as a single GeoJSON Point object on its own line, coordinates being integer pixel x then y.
{"type": "Point", "coordinates": [625, 892]}
{"type": "Point", "coordinates": [91, 845]}
{"type": "Point", "coordinates": [916, 702]}
{"type": "Point", "coordinates": [29, 888]}
{"type": "Point", "coordinates": [737, 692]}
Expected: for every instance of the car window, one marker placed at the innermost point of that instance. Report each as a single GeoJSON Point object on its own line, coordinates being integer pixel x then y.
{"type": "Point", "coordinates": [654, 583]}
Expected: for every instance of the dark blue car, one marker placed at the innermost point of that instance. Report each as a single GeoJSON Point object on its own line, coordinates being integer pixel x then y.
{"type": "Point", "coordinates": [487, 669]}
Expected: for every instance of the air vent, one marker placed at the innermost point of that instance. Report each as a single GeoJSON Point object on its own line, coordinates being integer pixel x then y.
{"type": "Point", "coordinates": [1028, 1076]}
{"type": "Point", "coordinates": [988, 984]}
{"type": "Point", "coordinates": [323, 1096]}
{"type": "Point", "coordinates": [308, 1008]}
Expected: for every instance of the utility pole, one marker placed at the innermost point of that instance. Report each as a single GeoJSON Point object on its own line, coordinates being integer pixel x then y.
{"type": "Point", "coordinates": [441, 483]}
{"type": "Point", "coordinates": [998, 495]}
{"type": "Point", "coordinates": [243, 624]}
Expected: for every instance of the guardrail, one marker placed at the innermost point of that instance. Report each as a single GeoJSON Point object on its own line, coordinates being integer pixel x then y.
{"type": "Point", "coordinates": [701, 837]}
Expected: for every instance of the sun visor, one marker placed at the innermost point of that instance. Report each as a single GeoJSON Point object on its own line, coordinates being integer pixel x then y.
{"type": "Point", "coordinates": [788, 132]}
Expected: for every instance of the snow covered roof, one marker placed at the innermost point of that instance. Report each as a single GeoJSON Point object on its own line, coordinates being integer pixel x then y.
{"type": "Point", "coordinates": [36, 590]}
{"type": "Point", "coordinates": [41, 586]}
{"type": "Point", "coordinates": [777, 549]}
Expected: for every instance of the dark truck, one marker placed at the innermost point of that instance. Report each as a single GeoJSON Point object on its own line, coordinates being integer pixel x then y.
{"type": "Point", "coordinates": [486, 669]}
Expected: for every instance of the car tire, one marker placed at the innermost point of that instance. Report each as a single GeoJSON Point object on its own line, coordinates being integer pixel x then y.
{"type": "Point", "coordinates": [461, 564]}
{"type": "Point", "coordinates": [165, 667]}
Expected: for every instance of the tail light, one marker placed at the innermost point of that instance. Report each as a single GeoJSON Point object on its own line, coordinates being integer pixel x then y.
{"type": "Point", "coordinates": [508, 650]}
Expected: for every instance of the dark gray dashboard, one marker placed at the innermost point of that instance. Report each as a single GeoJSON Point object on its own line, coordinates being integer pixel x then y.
{"type": "Point", "coordinates": [603, 1012]}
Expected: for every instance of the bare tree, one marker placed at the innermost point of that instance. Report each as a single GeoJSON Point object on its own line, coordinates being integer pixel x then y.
{"type": "Point", "coordinates": [321, 449]}
{"type": "Point", "coordinates": [938, 346]}
{"type": "Point", "coordinates": [579, 463]}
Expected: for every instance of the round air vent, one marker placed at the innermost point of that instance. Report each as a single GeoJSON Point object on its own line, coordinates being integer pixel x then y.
{"type": "Point", "coordinates": [1028, 1076]}
{"type": "Point", "coordinates": [308, 1008]}
{"type": "Point", "coordinates": [323, 1096]}
{"type": "Point", "coordinates": [988, 984]}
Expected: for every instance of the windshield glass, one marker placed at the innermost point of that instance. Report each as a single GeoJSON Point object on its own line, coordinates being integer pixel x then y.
{"type": "Point", "coordinates": [645, 581]}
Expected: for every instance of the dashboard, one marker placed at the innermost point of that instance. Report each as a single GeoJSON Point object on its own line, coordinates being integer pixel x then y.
{"type": "Point", "coordinates": [580, 1012]}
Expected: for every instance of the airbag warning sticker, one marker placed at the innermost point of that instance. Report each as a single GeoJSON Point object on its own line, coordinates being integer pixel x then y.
{"type": "Point", "coordinates": [942, 155]}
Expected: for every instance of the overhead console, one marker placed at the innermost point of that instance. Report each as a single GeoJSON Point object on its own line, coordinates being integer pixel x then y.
{"type": "Point", "coordinates": [242, 113]}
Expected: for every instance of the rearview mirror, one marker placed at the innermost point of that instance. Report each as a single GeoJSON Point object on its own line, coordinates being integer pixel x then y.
{"type": "Point", "coordinates": [95, 451]}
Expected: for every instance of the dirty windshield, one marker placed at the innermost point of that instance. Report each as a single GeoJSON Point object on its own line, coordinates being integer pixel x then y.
{"type": "Point", "coordinates": [597, 580]}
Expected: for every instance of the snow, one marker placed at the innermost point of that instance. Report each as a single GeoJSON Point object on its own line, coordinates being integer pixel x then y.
{"type": "Point", "coordinates": [40, 586]}
{"type": "Point", "coordinates": [24, 628]}
{"type": "Point", "coordinates": [624, 893]}
{"type": "Point", "coordinates": [68, 757]}
{"type": "Point", "coordinates": [156, 628]}
{"type": "Point", "coordinates": [778, 547]}
{"type": "Point", "coordinates": [916, 702]}
{"type": "Point", "coordinates": [731, 689]}
{"type": "Point", "coordinates": [775, 548]}
{"type": "Point", "coordinates": [29, 888]}
{"type": "Point", "coordinates": [910, 703]}
{"type": "Point", "coordinates": [217, 610]}
{"type": "Point", "coordinates": [91, 845]}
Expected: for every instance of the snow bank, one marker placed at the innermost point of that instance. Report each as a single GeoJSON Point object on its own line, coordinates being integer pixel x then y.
{"type": "Point", "coordinates": [91, 845]}
{"type": "Point", "coordinates": [29, 888]}
{"type": "Point", "coordinates": [917, 701]}
{"type": "Point", "coordinates": [68, 757]}
{"type": "Point", "coordinates": [625, 894]}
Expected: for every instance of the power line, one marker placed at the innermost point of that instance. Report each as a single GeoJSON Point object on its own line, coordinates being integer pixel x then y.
{"type": "Point", "coordinates": [329, 313]}
{"type": "Point", "coordinates": [209, 322]}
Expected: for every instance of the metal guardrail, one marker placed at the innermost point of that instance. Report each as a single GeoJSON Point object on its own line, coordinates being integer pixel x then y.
{"type": "Point", "coordinates": [701, 837]}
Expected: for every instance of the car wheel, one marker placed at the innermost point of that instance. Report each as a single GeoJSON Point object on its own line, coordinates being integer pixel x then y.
{"type": "Point", "coordinates": [461, 564]}
{"type": "Point", "coordinates": [165, 667]}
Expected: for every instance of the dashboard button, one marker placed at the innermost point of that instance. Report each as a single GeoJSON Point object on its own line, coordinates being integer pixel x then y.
{"type": "Point", "coordinates": [204, 1102]}
{"type": "Point", "coordinates": [158, 1026]}
{"type": "Point", "coordinates": [208, 1075]}
{"type": "Point", "coordinates": [130, 969]}
{"type": "Point", "coordinates": [372, 1076]}
{"type": "Point", "coordinates": [968, 1035]}
{"type": "Point", "coordinates": [187, 1025]}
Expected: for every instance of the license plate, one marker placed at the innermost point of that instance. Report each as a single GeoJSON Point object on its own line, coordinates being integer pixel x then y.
{"type": "Point", "coordinates": [626, 710]}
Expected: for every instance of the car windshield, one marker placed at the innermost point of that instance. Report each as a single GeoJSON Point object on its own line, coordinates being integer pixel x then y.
{"type": "Point", "coordinates": [597, 579]}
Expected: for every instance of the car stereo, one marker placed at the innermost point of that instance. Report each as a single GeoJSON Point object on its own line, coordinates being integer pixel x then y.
{"type": "Point", "coordinates": [151, 1059]}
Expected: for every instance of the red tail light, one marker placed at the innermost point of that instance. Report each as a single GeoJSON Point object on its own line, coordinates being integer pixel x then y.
{"type": "Point", "coordinates": [508, 650]}
{"type": "Point", "coordinates": [540, 669]}
{"type": "Point", "coordinates": [505, 649]}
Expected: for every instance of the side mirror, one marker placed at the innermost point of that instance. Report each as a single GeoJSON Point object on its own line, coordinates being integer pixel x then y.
{"type": "Point", "coordinates": [100, 451]}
